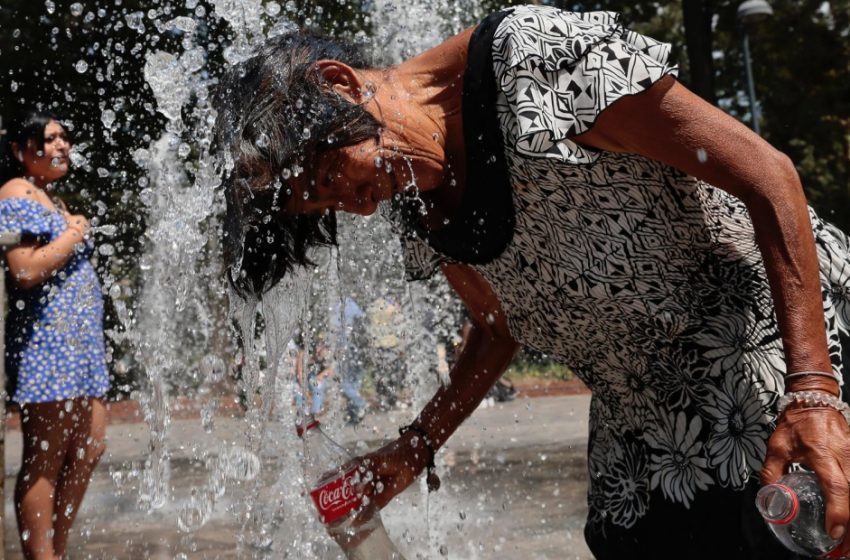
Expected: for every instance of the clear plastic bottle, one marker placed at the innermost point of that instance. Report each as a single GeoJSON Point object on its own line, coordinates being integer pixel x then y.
{"type": "Point", "coordinates": [795, 511]}
{"type": "Point", "coordinates": [348, 517]}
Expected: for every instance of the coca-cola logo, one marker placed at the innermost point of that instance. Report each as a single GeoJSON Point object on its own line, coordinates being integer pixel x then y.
{"type": "Point", "coordinates": [331, 497]}
{"type": "Point", "coordinates": [337, 498]}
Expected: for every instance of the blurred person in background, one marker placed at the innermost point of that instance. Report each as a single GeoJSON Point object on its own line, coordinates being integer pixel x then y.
{"type": "Point", "coordinates": [312, 371]}
{"type": "Point", "coordinates": [386, 330]}
{"type": "Point", "coordinates": [348, 322]}
{"type": "Point", "coordinates": [55, 353]}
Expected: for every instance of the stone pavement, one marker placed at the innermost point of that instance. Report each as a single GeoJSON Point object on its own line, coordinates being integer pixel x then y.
{"type": "Point", "coordinates": [525, 422]}
{"type": "Point", "coordinates": [519, 463]}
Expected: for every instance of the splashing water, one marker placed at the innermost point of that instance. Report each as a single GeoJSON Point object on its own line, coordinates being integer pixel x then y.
{"type": "Point", "coordinates": [180, 332]}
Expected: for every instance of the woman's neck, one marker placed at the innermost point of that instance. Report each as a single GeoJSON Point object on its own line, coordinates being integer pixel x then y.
{"type": "Point", "coordinates": [420, 103]}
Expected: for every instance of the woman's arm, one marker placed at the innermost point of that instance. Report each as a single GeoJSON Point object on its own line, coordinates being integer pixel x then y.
{"type": "Point", "coordinates": [31, 264]}
{"type": "Point", "coordinates": [672, 125]}
{"type": "Point", "coordinates": [486, 353]}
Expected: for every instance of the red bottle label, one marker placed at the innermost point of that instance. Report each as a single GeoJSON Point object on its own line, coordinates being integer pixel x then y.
{"type": "Point", "coordinates": [338, 497]}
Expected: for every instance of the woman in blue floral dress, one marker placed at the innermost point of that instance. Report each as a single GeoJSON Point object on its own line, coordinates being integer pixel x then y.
{"type": "Point", "coordinates": [55, 354]}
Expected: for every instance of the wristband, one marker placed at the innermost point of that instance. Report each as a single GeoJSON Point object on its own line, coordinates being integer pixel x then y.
{"type": "Point", "coordinates": [807, 373]}
{"type": "Point", "coordinates": [432, 479]}
{"type": "Point", "coordinates": [813, 399]}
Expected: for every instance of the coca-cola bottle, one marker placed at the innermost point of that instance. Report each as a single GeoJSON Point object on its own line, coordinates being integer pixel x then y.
{"type": "Point", "coordinates": [335, 487]}
{"type": "Point", "coordinates": [794, 510]}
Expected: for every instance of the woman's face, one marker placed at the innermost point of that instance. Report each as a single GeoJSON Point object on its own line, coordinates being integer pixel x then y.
{"type": "Point", "coordinates": [352, 179]}
{"type": "Point", "coordinates": [51, 162]}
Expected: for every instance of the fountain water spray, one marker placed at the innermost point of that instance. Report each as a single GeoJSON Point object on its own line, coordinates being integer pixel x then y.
{"type": "Point", "coordinates": [184, 291]}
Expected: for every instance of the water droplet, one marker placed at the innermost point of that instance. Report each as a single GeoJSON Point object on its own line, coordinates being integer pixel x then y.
{"type": "Point", "coordinates": [20, 304]}
{"type": "Point", "coordinates": [379, 161]}
{"type": "Point", "coordinates": [182, 23]}
{"type": "Point", "coordinates": [208, 415]}
{"type": "Point", "coordinates": [217, 482]}
{"type": "Point", "coordinates": [107, 117]}
{"type": "Point", "coordinates": [239, 463]}
{"type": "Point", "coordinates": [272, 8]}
{"type": "Point", "coordinates": [81, 453]}
{"type": "Point", "coordinates": [81, 66]}
{"type": "Point", "coordinates": [69, 405]}
{"type": "Point", "coordinates": [194, 513]}
{"type": "Point", "coordinates": [49, 6]}
{"type": "Point", "coordinates": [69, 509]}
{"type": "Point", "coordinates": [212, 368]}
{"type": "Point", "coordinates": [444, 550]}
{"type": "Point", "coordinates": [134, 21]}
{"type": "Point", "coordinates": [25, 535]}
{"type": "Point", "coordinates": [44, 445]}
{"type": "Point", "coordinates": [702, 156]}
{"type": "Point", "coordinates": [76, 9]}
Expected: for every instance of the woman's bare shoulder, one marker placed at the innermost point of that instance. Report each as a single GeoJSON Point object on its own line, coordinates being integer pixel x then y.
{"type": "Point", "coordinates": [18, 188]}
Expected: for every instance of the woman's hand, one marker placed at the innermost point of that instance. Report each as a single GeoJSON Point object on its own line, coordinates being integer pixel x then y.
{"type": "Point", "coordinates": [819, 438]}
{"type": "Point", "coordinates": [394, 467]}
{"type": "Point", "coordinates": [78, 222]}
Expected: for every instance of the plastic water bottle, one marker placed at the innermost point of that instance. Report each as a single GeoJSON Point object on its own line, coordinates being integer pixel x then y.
{"type": "Point", "coordinates": [353, 522]}
{"type": "Point", "coordinates": [795, 511]}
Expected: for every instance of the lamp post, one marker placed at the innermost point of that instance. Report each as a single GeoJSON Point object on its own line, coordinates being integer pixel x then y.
{"type": "Point", "coordinates": [749, 12]}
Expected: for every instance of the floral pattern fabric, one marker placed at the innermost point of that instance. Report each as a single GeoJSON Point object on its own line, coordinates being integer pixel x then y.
{"type": "Point", "coordinates": [54, 332]}
{"type": "Point", "coordinates": [647, 282]}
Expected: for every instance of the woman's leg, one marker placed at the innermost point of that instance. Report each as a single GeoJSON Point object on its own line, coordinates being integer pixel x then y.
{"type": "Point", "coordinates": [46, 433]}
{"type": "Point", "coordinates": [88, 442]}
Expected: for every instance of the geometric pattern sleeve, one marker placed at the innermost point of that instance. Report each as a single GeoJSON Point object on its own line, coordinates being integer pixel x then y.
{"type": "Point", "coordinates": [420, 260]}
{"type": "Point", "coordinates": [26, 217]}
{"type": "Point", "coordinates": [559, 70]}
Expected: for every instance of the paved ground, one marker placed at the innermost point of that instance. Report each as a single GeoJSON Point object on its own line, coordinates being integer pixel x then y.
{"type": "Point", "coordinates": [514, 489]}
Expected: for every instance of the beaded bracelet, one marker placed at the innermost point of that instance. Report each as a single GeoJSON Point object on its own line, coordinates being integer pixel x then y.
{"type": "Point", "coordinates": [432, 479]}
{"type": "Point", "coordinates": [812, 399]}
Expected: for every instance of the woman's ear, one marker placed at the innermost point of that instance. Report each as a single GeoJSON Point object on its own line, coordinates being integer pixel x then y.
{"type": "Point", "coordinates": [341, 78]}
{"type": "Point", "coordinates": [19, 154]}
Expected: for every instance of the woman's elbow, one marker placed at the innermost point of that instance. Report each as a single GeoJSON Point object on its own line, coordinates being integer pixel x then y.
{"type": "Point", "coordinates": [26, 279]}
{"type": "Point", "coordinates": [787, 171]}
{"type": "Point", "coordinates": [776, 184]}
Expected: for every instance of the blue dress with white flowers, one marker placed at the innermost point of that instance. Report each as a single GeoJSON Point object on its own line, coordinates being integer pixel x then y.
{"type": "Point", "coordinates": [54, 332]}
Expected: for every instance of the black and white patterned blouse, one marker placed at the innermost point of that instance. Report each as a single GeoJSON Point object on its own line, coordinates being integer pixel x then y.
{"type": "Point", "coordinates": [647, 282]}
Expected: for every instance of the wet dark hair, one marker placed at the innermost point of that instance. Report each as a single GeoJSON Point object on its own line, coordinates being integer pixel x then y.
{"type": "Point", "coordinates": [23, 127]}
{"type": "Point", "coordinates": [276, 115]}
